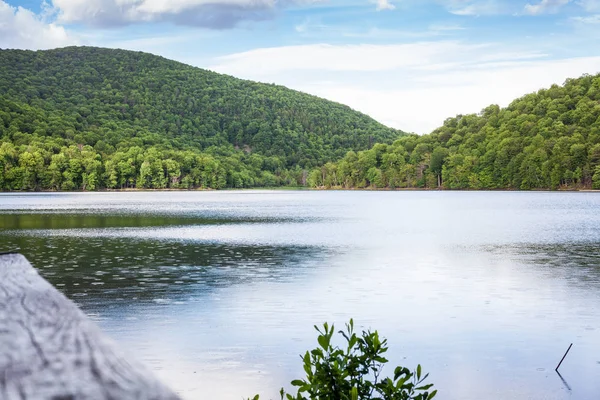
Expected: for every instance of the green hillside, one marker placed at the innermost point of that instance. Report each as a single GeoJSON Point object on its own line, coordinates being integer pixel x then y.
{"type": "Point", "coordinates": [544, 140]}
{"type": "Point", "coordinates": [88, 118]}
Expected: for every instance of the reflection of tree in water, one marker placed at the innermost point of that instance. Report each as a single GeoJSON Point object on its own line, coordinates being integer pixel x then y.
{"type": "Point", "coordinates": [578, 263]}
{"type": "Point", "coordinates": [100, 270]}
{"type": "Point", "coordinates": [62, 220]}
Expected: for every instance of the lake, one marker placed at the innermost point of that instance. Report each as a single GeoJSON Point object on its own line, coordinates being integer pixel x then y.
{"type": "Point", "coordinates": [218, 292]}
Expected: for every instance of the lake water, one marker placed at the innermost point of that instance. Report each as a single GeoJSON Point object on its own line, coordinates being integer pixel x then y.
{"type": "Point", "coordinates": [218, 292]}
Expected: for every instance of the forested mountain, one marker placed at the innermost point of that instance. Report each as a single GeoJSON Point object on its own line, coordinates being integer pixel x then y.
{"type": "Point", "coordinates": [544, 140]}
{"type": "Point", "coordinates": [88, 118]}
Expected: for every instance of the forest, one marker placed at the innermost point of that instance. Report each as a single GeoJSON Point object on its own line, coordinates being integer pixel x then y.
{"type": "Point", "coordinates": [549, 140]}
{"type": "Point", "coordinates": [85, 118]}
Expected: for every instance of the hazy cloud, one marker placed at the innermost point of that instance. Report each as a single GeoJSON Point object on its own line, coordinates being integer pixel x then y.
{"type": "Point", "coordinates": [22, 29]}
{"type": "Point", "coordinates": [384, 5]}
{"type": "Point", "coordinates": [545, 7]}
{"type": "Point", "coordinates": [358, 58]}
{"type": "Point", "coordinates": [477, 7]}
{"type": "Point", "coordinates": [590, 5]}
{"type": "Point", "coordinates": [408, 86]}
{"type": "Point", "coordinates": [216, 14]}
{"type": "Point", "coordinates": [592, 19]}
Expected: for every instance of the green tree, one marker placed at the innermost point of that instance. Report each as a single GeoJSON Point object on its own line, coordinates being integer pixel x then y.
{"type": "Point", "coordinates": [596, 179]}
{"type": "Point", "coordinates": [437, 163]}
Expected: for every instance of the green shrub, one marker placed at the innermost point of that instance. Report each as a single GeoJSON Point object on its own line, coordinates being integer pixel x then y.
{"type": "Point", "coordinates": [352, 372]}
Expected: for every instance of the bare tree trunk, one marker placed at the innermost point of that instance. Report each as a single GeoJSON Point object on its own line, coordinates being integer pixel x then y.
{"type": "Point", "coordinates": [49, 349]}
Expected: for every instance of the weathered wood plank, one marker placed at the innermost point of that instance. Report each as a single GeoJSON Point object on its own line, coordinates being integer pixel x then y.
{"type": "Point", "coordinates": [49, 349]}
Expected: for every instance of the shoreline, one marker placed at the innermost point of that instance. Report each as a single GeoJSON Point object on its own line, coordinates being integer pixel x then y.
{"type": "Point", "coordinates": [300, 188]}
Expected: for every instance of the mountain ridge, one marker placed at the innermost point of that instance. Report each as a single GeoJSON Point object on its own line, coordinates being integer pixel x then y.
{"type": "Point", "coordinates": [109, 101]}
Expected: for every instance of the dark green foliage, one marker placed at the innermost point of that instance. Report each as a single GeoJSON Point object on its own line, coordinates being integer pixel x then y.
{"type": "Point", "coordinates": [545, 140]}
{"type": "Point", "coordinates": [352, 372]}
{"type": "Point", "coordinates": [84, 118]}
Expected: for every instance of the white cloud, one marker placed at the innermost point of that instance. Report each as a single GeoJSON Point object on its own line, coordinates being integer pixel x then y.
{"type": "Point", "coordinates": [477, 7]}
{"type": "Point", "coordinates": [592, 19]}
{"type": "Point", "coordinates": [364, 58]}
{"type": "Point", "coordinates": [445, 27]}
{"type": "Point", "coordinates": [411, 86]}
{"type": "Point", "coordinates": [317, 31]}
{"type": "Point", "coordinates": [512, 7]}
{"type": "Point", "coordinates": [422, 109]}
{"type": "Point", "coordinates": [545, 7]}
{"type": "Point", "coordinates": [20, 28]}
{"type": "Point", "coordinates": [218, 14]}
{"type": "Point", "coordinates": [590, 5]}
{"type": "Point", "coordinates": [384, 5]}
{"type": "Point", "coordinates": [357, 58]}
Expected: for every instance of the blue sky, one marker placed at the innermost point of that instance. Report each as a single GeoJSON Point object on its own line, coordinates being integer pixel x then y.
{"type": "Point", "coordinates": [408, 63]}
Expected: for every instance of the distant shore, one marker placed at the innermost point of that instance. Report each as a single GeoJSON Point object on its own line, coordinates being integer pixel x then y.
{"type": "Point", "coordinates": [299, 188]}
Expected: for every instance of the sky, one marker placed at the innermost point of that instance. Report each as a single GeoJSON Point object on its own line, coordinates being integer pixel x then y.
{"type": "Point", "coordinates": [410, 64]}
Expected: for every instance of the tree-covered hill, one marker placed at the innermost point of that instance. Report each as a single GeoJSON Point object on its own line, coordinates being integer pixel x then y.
{"type": "Point", "coordinates": [544, 140]}
{"type": "Point", "coordinates": [87, 118]}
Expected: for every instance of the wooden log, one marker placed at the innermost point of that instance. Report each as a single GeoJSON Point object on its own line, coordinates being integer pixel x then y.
{"type": "Point", "coordinates": [50, 350]}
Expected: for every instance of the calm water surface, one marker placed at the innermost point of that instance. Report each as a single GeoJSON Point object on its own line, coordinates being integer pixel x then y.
{"type": "Point", "coordinates": [218, 291]}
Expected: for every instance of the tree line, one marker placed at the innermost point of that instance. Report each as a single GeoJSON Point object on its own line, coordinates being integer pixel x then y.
{"type": "Point", "coordinates": [544, 140]}
{"type": "Point", "coordinates": [35, 167]}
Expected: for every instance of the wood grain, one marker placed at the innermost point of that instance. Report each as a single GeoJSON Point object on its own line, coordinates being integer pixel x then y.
{"type": "Point", "coordinates": [49, 349]}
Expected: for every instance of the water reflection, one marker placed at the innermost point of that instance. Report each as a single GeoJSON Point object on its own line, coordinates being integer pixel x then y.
{"type": "Point", "coordinates": [485, 290]}
{"type": "Point", "coordinates": [100, 271]}
{"type": "Point", "coordinates": [576, 263]}
{"type": "Point", "coordinates": [15, 220]}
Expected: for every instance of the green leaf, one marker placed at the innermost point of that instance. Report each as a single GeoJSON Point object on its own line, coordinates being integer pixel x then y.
{"type": "Point", "coordinates": [425, 387]}
{"type": "Point", "coordinates": [306, 358]}
{"type": "Point", "coordinates": [352, 341]}
{"type": "Point", "coordinates": [317, 353]}
{"type": "Point", "coordinates": [399, 371]}
{"type": "Point", "coordinates": [323, 341]}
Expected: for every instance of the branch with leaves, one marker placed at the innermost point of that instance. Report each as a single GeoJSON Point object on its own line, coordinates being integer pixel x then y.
{"type": "Point", "coordinates": [352, 371]}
